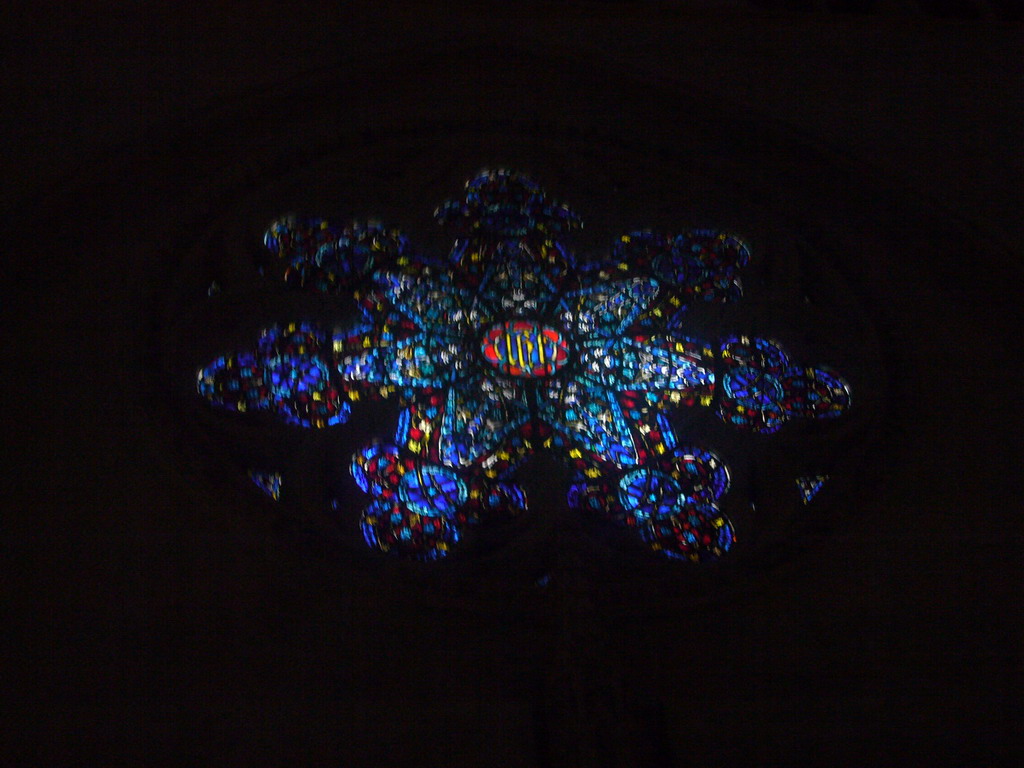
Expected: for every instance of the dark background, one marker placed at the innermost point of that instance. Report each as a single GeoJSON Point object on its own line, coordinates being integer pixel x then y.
{"type": "Point", "coordinates": [162, 611]}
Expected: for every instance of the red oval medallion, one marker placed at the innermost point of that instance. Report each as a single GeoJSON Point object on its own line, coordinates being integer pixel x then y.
{"type": "Point", "coordinates": [524, 348]}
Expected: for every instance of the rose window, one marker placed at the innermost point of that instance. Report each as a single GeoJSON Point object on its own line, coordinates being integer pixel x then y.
{"type": "Point", "coordinates": [511, 345]}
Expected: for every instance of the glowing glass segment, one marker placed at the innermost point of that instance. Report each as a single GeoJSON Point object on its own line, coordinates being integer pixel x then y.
{"type": "Point", "coordinates": [322, 257]}
{"type": "Point", "coordinates": [509, 346]}
{"type": "Point", "coordinates": [392, 528]}
{"type": "Point", "coordinates": [285, 374]}
{"type": "Point", "coordinates": [431, 491]}
{"type": "Point", "coordinates": [649, 493]}
{"type": "Point", "coordinates": [762, 388]}
{"type": "Point", "coordinates": [699, 532]}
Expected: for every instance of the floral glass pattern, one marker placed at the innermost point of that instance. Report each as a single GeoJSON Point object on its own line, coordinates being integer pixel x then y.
{"type": "Point", "coordinates": [511, 345]}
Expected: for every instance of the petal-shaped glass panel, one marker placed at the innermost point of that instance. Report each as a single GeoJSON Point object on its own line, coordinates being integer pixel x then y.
{"type": "Point", "coordinates": [590, 418]}
{"type": "Point", "coordinates": [522, 280]}
{"type": "Point", "coordinates": [607, 309]}
{"type": "Point", "coordinates": [752, 399]}
{"type": "Point", "coordinates": [763, 354]}
{"type": "Point", "coordinates": [327, 258]}
{"type": "Point", "coordinates": [816, 392]}
{"type": "Point", "coordinates": [704, 477]}
{"type": "Point", "coordinates": [432, 491]}
{"type": "Point", "coordinates": [389, 527]}
{"type": "Point", "coordinates": [647, 362]}
{"type": "Point", "coordinates": [506, 204]}
{"type": "Point", "coordinates": [286, 375]}
{"type": "Point", "coordinates": [649, 493]}
{"type": "Point", "coordinates": [477, 420]}
{"type": "Point", "coordinates": [430, 301]}
{"type": "Point", "coordinates": [376, 469]}
{"type": "Point", "coordinates": [697, 532]}
{"type": "Point", "coordinates": [702, 261]}
{"type": "Point", "coordinates": [427, 360]}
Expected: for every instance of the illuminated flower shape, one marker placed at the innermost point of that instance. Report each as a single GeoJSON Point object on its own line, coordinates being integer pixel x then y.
{"type": "Point", "coordinates": [419, 508]}
{"type": "Point", "coordinates": [699, 265]}
{"type": "Point", "coordinates": [671, 502]}
{"type": "Point", "coordinates": [819, 393]}
{"type": "Point", "coordinates": [505, 204]}
{"type": "Point", "coordinates": [761, 389]}
{"type": "Point", "coordinates": [699, 532]}
{"type": "Point", "coordinates": [326, 258]}
{"type": "Point", "coordinates": [286, 374]}
{"type": "Point", "coordinates": [512, 346]}
{"type": "Point", "coordinates": [703, 263]}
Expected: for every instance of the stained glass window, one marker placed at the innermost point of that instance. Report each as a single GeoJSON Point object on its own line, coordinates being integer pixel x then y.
{"type": "Point", "coordinates": [510, 346]}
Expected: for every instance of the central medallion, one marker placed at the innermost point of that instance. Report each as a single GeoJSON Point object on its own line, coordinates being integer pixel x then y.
{"type": "Point", "coordinates": [525, 348]}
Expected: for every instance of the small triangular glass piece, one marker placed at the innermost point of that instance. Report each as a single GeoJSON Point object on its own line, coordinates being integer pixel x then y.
{"type": "Point", "coordinates": [810, 485]}
{"type": "Point", "coordinates": [268, 482]}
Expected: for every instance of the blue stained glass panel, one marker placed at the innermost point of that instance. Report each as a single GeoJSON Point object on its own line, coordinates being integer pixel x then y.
{"type": "Point", "coordinates": [591, 418]}
{"type": "Point", "coordinates": [477, 421]}
{"type": "Point", "coordinates": [649, 493]}
{"type": "Point", "coordinates": [432, 490]}
{"type": "Point", "coordinates": [607, 308]}
{"type": "Point", "coordinates": [645, 363]}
